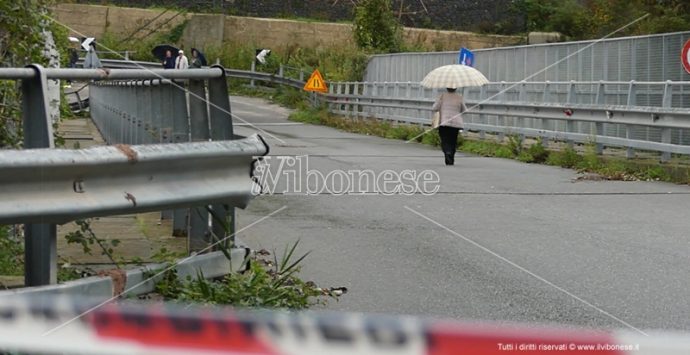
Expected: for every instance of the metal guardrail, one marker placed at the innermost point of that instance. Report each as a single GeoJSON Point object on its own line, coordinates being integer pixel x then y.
{"type": "Point", "coordinates": [49, 185]}
{"type": "Point", "coordinates": [633, 115]}
{"type": "Point", "coordinates": [587, 112]}
{"type": "Point", "coordinates": [279, 78]}
{"type": "Point", "coordinates": [159, 111]}
{"type": "Point", "coordinates": [61, 185]}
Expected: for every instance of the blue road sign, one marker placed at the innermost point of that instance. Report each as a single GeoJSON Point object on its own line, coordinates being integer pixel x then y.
{"type": "Point", "coordinates": [466, 57]}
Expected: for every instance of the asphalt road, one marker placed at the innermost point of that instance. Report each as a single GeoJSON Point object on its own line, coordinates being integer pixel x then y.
{"type": "Point", "coordinates": [500, 240]}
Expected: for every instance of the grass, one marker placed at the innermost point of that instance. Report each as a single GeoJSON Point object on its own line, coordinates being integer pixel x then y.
{"type": "Point", "coordinates": [11, 253]}
{"type": "Point", "coordinates": [609, 167]}
{"type": "Point", "coordinates": [267, 283]}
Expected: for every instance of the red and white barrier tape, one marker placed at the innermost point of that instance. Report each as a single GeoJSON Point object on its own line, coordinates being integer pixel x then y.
{"type": "Point", "coordinates": [43, 325]}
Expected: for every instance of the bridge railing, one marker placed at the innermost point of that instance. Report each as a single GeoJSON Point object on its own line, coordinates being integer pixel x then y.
{"type": "Point", "coordinates": [637, 116]}
{"type": "Point", "coordinates": [616, 114]}
{"type": "Point", "coordinates": [158, 162]}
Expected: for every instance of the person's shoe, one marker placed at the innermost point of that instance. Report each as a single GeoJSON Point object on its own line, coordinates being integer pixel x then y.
{"type": "Point", "coordinates": [449, 159]}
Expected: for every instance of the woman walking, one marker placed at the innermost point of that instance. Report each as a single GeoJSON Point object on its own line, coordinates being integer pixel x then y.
{"type": "Point", "coordinates": [451, 106]}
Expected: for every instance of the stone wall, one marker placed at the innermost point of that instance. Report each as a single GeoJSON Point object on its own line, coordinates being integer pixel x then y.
{"type": "Point", "coordinates": [205, 30]}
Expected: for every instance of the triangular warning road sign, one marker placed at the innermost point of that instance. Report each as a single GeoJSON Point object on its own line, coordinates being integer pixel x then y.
{"type": "Point", "coordinates": [316, 83]}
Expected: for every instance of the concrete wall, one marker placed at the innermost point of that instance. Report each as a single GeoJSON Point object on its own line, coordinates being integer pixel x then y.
{"type": "Point", "coordinates": [95, 20]}
{"type": "Point", "coordinates": [205, 30]}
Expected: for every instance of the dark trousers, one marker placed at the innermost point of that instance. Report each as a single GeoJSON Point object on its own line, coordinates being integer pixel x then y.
{"type": "Point", "coordinates": [449, 142]}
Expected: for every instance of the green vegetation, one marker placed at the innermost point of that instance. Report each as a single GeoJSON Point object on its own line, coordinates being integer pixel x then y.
{"type": "Point", "coordinates": [86, 237]}
{"type": "Point", "coordinates": [611, 167]}
{"type": "Point", "coordinates": [596, 18]}
{"type": "Point", "coordinates": [11, 253]}
{"type": "Point", "coordinates": [375, 26]}
{"type": "Point", "coordinates": [267, 283]}
{"type": "Point", "coordinates": [21, 43]}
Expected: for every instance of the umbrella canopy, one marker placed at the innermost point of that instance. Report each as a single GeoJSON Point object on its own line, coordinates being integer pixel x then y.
{"type": "Point", "coordinates": [159, 51]}
{"type": "Point", "coordinates": [454, 76]}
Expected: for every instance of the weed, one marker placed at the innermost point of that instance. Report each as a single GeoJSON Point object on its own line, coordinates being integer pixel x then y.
{"type": "Point", "coordinates": [567, 158]}
{"type": "Point", "coordinates": [163, 255]}
{"type": "Point", "coordinates": [11, 253]}
{"type": "Point", "coordinates": [485, 148]}
{"type": "Point", "coordinates": [266, 283]}
{"type": "Point", "coordinates": [535, 153]}
{"type": "Point", "coordinates": [501, 152]}
{"type": "Point", "coordinates": [399, 132]}
{"type": "Point", "coordinates": [515, 144]}
{"type": "Point", "coordinates": [86, 237]}
{"type": "Point", "coordinates": [432, 138]}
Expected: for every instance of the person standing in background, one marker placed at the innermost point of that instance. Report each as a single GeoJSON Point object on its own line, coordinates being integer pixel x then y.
{"type": "Point", "coordinates": [198, 59]}
{"type": "Point", "coordinates": [451, 105]}
{"type": "Point", "coordinates": [169, 61]}
{"type": "Point", "coordinates": [181, 62]}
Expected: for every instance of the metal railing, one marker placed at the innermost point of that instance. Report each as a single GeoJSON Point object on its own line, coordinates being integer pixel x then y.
{"type": "Point", "coordinates": [634, 115]}
{"type": "Point", "coordinates": [286, 75]}
{"type": "Point", "coordinates": [159, 111]}
{"type": "Point", "coordinates": [606, 113]}
{"type": "Point", "coordinates": [42, 185]}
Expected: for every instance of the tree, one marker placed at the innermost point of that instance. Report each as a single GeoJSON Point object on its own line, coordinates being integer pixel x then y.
{"type": "Point", "coordinates": [376, 27]}
{"type": "Point", "coordinates": [21, 43]}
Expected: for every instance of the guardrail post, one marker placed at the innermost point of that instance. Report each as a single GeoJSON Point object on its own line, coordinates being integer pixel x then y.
{"type": "Point", "coordinates": [632, 101]}
{"type": "Point", "coordinates": [546, 98]}
{"type": "Point", "coordinates": [176, 99]}
{"type": "Point", "coordinates": [599, 127]}
{"type": "Point", "coordinates": [522, 97]}
{"type": "Point", "coordinates": [221, 129]}
{"type": "Point", "coordinates": [666, 132]}
{"type": "Point", "coordinates": [40, 239]}
{"type": "Point", "coordinates": [281, 71]}
{"type": "Point", "coordinates": [355, 106]}
{"type": "Point", "coordinates": [198, 231]}
{"type": "Point", "coordinates": [500, 120]}
{"type": "Point", "coordinates": [164, 120]}
{"type": "Point", "coordinates": [253, 69]}
{"type": "Point", "coordinates": [570, 124]}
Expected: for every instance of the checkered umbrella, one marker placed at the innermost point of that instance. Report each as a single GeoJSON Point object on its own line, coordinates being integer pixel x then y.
{"type": "Point", "coordinates": [454, 76]}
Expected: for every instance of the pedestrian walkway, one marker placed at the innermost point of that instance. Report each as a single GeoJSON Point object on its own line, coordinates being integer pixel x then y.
{"type": "Point", "coordinates": [140, 235]}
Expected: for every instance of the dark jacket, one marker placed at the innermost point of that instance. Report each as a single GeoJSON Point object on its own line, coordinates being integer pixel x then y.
{"type": "Point", "coordinates": [169, 63]}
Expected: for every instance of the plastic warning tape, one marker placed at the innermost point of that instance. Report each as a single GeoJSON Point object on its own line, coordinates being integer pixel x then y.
{"type": "Point", "coordinates": [61, 324]}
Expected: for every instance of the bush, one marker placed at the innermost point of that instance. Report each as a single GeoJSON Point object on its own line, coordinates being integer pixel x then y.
{"type": "Point", "coordinates": [567, 158]}
{"type": "Point", "coordinates": [536, 153]}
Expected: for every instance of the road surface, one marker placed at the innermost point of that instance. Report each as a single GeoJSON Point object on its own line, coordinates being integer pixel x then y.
{"type": "Point", "coordinates": [500, 241]}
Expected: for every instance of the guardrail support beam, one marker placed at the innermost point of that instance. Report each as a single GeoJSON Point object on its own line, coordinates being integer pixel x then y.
{"type": "Point", "coordinates": [198, 229]}
{"type": "Point", "coordinates": [40, 250]}
{"type": "Point", "coordinates": [221, 129]}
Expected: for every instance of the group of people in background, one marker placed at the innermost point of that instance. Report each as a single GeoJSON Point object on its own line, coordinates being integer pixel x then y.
{"type": "Point", "coordinates": [182, 62]}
